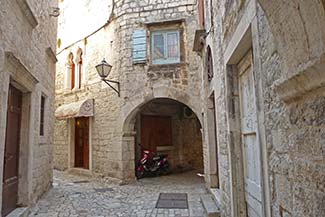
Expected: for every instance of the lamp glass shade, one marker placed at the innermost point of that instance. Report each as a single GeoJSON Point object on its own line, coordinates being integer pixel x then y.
{"type": "Point", "coordinates": [103, 69]}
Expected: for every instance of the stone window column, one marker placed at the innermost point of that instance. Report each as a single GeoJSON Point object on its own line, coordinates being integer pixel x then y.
{"type": "Point", "coordinates": [69, 73]}
{"type": "Point", "coordinates": [77, 77]}
{"type": "Point", "coordinates": [67, 77]}
{"type": "Point", "coordinates": [78, 70]}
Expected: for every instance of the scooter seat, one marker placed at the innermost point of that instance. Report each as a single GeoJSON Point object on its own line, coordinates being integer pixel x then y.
{"type": "Point", "coordinates": [156, 158]}
{"type": "Point", "coordinates": [163, 155]}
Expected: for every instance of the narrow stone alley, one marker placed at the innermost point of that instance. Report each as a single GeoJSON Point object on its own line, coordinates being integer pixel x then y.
{"type": "Point", "coordinates": [107, 91]}
{"type": "Point", "coordinates": [74, 195]}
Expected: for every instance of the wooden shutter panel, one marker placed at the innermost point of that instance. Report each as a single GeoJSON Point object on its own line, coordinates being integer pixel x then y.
{"type": "Point", "coordinates": [139, 46]}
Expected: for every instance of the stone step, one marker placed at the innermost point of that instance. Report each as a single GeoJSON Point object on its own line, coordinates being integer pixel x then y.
{"type": "Point", "coordinates": [19, 212]}
{"type": "Point", "coordinates": [210, 206]}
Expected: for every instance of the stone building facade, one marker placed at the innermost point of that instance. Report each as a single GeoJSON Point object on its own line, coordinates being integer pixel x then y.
{"type": "Point", "coordinates": [248, 103]}
{"type": "Point", "coordinates": [160, 95]}
{"type": "Point", "coordinates": [27, 74]}
{"type": "Point", "coordinates": [263, 79]}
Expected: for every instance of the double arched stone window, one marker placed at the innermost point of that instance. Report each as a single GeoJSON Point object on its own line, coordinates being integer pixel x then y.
{"type": "Point", "coordinates": [74, 74]}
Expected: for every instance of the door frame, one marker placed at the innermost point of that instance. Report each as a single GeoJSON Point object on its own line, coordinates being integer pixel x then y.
{"type": "Point", "coordinates": [84, 121]}
{"type": "Point", "coordinates": [245, 37]}
{"type": "Point", "coordinates": [213, 141]}
{"type": "Point", "coordinates": [25, 142]}
{"type": "Point", "coordinates": [15, 73]}
{"type": "Point", "coordinates": [244, 161]}
{"type": "Point", "coordinates": [71, 150]}
{"type": "Point", "coordinates": [18, 95]}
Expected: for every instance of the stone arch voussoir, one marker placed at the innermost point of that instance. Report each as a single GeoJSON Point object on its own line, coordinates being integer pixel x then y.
{"type": "Point", "coordinates": [130, 110]}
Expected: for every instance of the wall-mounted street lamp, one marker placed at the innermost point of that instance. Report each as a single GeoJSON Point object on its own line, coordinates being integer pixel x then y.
{"type": "Point", "coordinates": [103, 70]}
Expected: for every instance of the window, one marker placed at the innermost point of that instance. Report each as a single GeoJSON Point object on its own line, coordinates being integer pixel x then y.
{"type": "Point", "coordinates": [211, 13]}
{"type": "Point", "coordinates": [201, 13]}
{"type": "Point", "coordinates": [71, 71]}
{"type": "Point", "coordinates": [165, 47]}
{"type": "Point", "coordinates": [209, 64]}
{"type": "Point", "coordinates": [74, 76]}
{"type": "Point", "coordinates": [78, 72]}
{"type": "Point", "coordinates": [42, 115]}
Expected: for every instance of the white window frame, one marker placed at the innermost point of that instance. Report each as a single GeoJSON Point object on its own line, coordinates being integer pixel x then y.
{"type": "Point", "coordinates": [166, 59]}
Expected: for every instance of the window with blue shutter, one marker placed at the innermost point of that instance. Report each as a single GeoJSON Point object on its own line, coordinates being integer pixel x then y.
{"type": "Point", "coordinates": [165, 47]}
{"type": "Point", "coordinates": [139, 46]}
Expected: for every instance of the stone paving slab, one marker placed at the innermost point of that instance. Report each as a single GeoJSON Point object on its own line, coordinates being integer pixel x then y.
{"type": "Point", "coordinates": [98, 198]}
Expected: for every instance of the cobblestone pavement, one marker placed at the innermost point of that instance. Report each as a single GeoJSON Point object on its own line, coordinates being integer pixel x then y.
{"type": "Point", "coordinates": [74, 195]}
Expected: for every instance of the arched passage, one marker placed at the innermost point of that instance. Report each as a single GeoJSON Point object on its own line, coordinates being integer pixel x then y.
{"type": "Point", "coordinates": [165, 126]}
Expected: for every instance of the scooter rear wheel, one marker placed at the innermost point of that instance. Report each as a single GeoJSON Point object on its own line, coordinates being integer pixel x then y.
{"type": "Point", "coordinates": [165, 170]}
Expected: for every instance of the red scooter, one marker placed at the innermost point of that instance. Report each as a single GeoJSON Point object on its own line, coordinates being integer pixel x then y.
{"type": "Point", "coordinates": [151, 164]}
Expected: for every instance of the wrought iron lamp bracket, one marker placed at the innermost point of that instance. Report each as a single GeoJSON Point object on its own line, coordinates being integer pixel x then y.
{"type": "Point", "coordinates": [117, 90]}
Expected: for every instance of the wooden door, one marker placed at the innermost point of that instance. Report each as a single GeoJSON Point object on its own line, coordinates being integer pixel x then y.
{"type": "Point", "coordinates": [250, 144]}
{"type": "Point", "coordinates": [82, 143]}
{"type": "Point", "coordinates": [11, 155]}
{"type": "Point", "coordinates": [213, 110]}
{"type": "Point", "coordinates": [155, 131]}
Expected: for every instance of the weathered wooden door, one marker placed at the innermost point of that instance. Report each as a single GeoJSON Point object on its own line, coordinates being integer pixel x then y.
{"type": "Point", "coordinates": [11, 155]}
{"type": "Point", "coordinates": [250, 144]}
{"type": "Point", "coordinates": [82, 143]}
{"type": "Point", "coordinates": [155, 131]}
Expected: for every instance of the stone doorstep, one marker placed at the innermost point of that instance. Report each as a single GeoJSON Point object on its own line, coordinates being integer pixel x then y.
{"type": "Point", "coordinates": [210, 206]}
{"type": "Point", "coordinates": [19, 212]}
{"type": "Point", "coordinates": [80, 171]}
{"type": "Point", "coordinates": [216, 195]}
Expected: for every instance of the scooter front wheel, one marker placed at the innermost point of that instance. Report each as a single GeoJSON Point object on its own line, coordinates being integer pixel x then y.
{"type": "Point", "coordinates": [139, 173]}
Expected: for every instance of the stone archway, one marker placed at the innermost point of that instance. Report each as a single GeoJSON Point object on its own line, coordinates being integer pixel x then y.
{"type": "Point", "coordinates": [130, 111]}
{"type": "Point", "coordinates": [132, 107]}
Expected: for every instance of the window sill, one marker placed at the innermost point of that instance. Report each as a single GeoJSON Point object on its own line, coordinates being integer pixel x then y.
{"type": "Point", "coordinates": [74, 91]}
{"type": "Point", "coordinates": [171, 65]}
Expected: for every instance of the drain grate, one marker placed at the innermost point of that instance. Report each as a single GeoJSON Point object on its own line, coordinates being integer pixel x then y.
{"type": "Point", "coordinates": [103, 190]}
{"type": "Point", "coordinates": [172, 201]}
{"type": "Point", "coordinates": [80, 181]}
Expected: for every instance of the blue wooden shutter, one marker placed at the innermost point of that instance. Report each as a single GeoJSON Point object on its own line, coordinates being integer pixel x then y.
{"type": "Point", "coordinates": [139, 46]}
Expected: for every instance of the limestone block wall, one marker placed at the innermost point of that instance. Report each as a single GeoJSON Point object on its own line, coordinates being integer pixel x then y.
{"type": "Point", "coordinates": [27, 58]}
{"type": "Point", "coordinates": [61, 148]}
{"type": "Point", "coordinates": [295, 27]}
{"type": "Point", "coordinates": [112, 136]}
{"type": "Point", "coordinates": [295, 134]}
{"type": "Point", "coordinates": [104, 148]}
{"type": "Point", "coordinates": [292, 126]}
{"type": "Point", "coordinates": [190, 154]}
{"type": "Point", "coordinates": [143, 82]}
{"type": "Point", "coordinates": [139, 79]}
